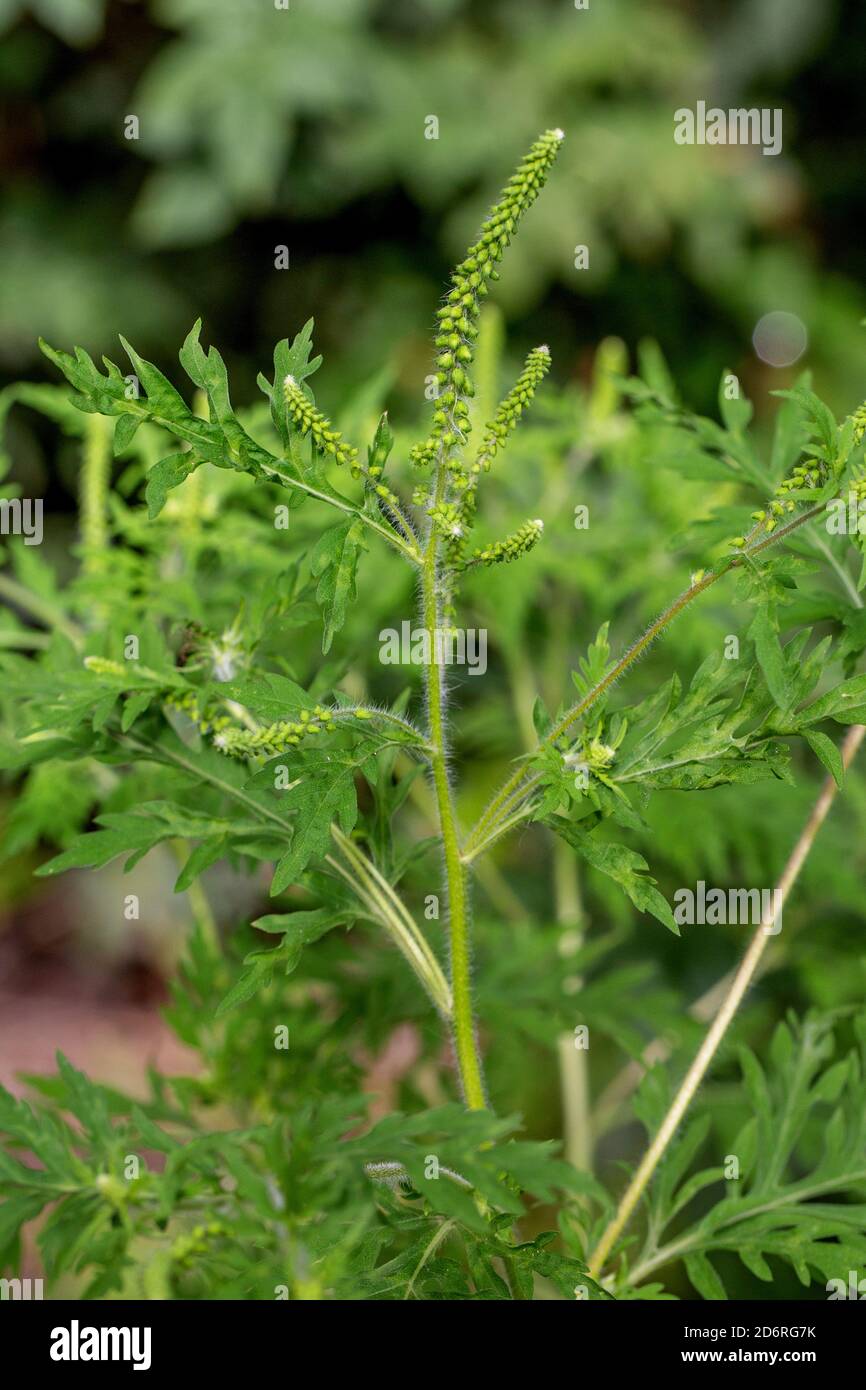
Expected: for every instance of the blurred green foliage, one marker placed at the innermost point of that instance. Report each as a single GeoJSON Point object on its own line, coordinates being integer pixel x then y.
{"type": "Point", "coordinates": [305, 127]}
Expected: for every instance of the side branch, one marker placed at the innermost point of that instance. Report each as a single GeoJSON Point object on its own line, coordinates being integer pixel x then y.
{"type": "Point", "coordinates": [501, 809]}
{"type": "Point", "coordinates": [731, 1002]}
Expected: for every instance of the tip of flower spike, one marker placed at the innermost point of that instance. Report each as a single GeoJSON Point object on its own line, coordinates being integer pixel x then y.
{"type": "Point", "coordinates": [289, 380]}
{"type": "Point", "coordinates": [558, 134]}
{"type": "Point", "coordinates": [542, 347]}
{"type": "Point", "coordinates": [539, 523]}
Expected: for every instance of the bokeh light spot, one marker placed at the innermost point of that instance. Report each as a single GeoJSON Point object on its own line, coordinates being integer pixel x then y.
{"type": "Point", "coordinates": [780, 338]}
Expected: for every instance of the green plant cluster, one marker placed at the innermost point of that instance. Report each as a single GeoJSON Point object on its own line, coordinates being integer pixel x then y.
{"type": "Point", "coordinates": [275, 1180]}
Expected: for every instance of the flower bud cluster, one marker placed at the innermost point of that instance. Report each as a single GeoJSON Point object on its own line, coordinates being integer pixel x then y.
{"type": "Point", "coordinates": [511, 548]}
{"type": "Point", "coordinates": [275, 738]}
{"type": "Point", "coordinates": [507, 418]}
{"type": "Point", "coordinates": [329, 441]}
{"type": "Point", "coordinates": [803, 476]}
{"type": "Point", "coordinates": [457, 319]}
{"type": "Point", "coordinates": [311, 421]}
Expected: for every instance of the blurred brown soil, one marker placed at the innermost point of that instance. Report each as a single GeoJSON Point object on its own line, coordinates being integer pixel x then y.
{"type": "Point", "coordinates": [113, 1043]}
{"type": "Point", "coordinates": [104, 1016]}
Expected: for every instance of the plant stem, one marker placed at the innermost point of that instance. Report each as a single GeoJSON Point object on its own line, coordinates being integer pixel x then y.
{"type": "Point", "coordinates": [502, 896]}
{"type": "Point", "coordinates": [626, 1081]}
{"type": "Point", "coordinates": [731, 1002]}
{"type": "Point", "coordinates": [573, 1068]}
{"type": "Point", "coordinates": [288, 479]}
{"type": "Point", "coordinates": [342, 504]}
{"type": "Point", "coordinates": [506, 794]}
{"type": "Point", "coordinates": [366, 882]}
{"type": "Point", "coordinates": [573, 1061]}
{"type": "Point", "coordinates": [95, 472]}
{"type": "Point", "coordinates": [465, 1042]}
{"type": "Point", "coordinates": [442, 1233]}
{"type": "Point", "coordinates": [24, 641]}
{"type": "Point", "coordinates": [376, 893]}
{"type": "Point", "coordinates": [691, 1240]}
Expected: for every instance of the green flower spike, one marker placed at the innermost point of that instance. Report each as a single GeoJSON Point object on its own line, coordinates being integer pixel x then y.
{"type": "Point", "coordinates": [310, 421]}
{"type": "Point", "coordinates": [508, 415]}
{"type": "Point", "coordinates": [102, 666]}
{"type": "Point", "coordinates": [282, 736]}
{"type": "Point", "coordinates": [507, 418]}
{"type": "Point", "coordinates": [457, 320]}
{"type": "Point", "coordinates": [275, 738]}
{"type": "Point", "coordinates": [803, 476]}
{"type": "Point", "coordinates": [329, 441]}
{"type": "Point", "coordinates": [515, 545]}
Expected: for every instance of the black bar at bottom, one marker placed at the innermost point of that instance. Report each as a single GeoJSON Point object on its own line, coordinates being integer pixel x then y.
{"type": "Point", "coordinates": [85, 1340]}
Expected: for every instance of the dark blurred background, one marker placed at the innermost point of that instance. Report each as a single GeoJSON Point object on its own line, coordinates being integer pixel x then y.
{"type": "Point", "coordinates": [304, 127]}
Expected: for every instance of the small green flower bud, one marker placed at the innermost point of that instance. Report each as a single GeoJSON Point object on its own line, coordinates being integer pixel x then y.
{"type": "Point", "coordinates": [326, 439]}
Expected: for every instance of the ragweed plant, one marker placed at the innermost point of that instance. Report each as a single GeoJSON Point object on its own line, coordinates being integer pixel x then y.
{"type": "Point", "coordinates": [173, 681]}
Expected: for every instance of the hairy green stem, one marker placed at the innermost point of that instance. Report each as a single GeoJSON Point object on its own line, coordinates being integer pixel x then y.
{"type": "Point", "coordinates": [379, 897]}
{"type": "Point", "coordinates": [573, 1061]}
{"type": "Point", "coordinates": [465, 1041]}
{"type": "Point", "coordinates": [288, 479]}
{"type": "Point", "coordinates": [393, 538]}
{"type": "Point", "coordinates": [93, 493]}
{"type": "Point", "coordinates": [494, 883]}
